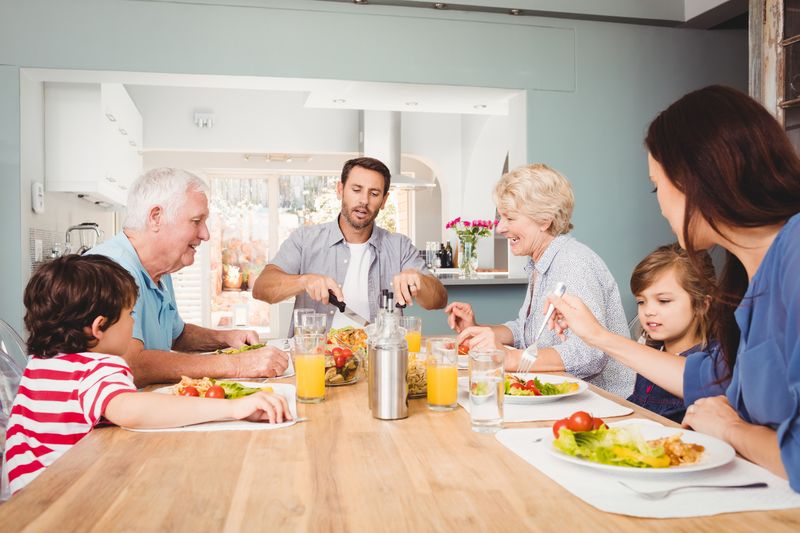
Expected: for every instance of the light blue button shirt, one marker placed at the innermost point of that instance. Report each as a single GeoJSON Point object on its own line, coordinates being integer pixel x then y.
{"type": "Point", "coordinates": [156, 320]}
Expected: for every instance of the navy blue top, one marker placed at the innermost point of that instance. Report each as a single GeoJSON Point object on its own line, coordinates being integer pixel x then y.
{"type": "Point", "coordinates": [650, 396]}
{"type": "Point", "coordinates": [765, 386]}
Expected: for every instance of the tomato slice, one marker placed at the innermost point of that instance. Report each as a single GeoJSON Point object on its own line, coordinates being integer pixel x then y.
{"type": "Point", "coordinates": [558, 425]}
{"type": "Point", "coordinates": [189, 391]}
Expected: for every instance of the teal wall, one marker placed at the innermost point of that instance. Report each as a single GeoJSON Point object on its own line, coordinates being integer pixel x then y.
{"type": "Point", "coordinates": [592, 87]}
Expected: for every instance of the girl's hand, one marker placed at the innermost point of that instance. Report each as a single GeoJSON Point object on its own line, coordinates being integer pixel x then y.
{"type": "Point", "coordinates": [572, 313]}
{"type": "Point", "coordinates": [261, 407]}
{"type": "Point", "coordinates": [713, 416]}
{"type": "Point", "coordinates": [460, 316]}
{"type": "Point", "coordinates": [478, 337]}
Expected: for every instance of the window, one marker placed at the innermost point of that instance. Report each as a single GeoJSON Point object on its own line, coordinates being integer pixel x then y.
{"type": "Point", "coordinates": [250, 217]}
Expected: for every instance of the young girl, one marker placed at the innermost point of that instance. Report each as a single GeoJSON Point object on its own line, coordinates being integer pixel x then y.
{"type": "Point", "coordinates": [673, 301]}
{"type": "Point", "coordinates": [78, 313]}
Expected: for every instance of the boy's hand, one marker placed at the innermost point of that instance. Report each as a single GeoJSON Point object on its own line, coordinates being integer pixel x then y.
{"type": "Point", "coordinates": [261, 407]}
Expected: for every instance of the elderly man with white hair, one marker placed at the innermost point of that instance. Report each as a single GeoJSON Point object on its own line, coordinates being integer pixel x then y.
{"type": "Point", "coordinates": [165, 223]}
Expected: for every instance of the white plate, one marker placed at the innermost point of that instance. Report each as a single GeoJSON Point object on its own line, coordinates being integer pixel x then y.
{"type": "Point", "coordinates": [546, 378]}
{"type": "Point", "coordinates": [281, 344]}
{"type": "Point", "coordinates": [717, 453]}
{"type": "Point", "coordinates": [287, 390]}
{"type": "Point", "coordinates": [463, 383]}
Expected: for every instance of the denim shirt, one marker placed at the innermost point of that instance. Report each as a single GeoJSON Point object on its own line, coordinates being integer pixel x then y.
{"type": "Point", "coordinates": [321, 249]}
{"type": "Point", "coordinates": [588, 277]}
{"type": "Point", "coordinates": [650, 396]}
{"type": "Point", "coordinates": [157, 322]}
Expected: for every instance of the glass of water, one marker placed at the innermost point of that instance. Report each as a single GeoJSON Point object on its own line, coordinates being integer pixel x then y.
{"type": "Point", "coordinates": [298, 319]}
{"type": "Point", "coordinates": [316, 323]}
{"type": "Point", "coordinates": [486, 390]}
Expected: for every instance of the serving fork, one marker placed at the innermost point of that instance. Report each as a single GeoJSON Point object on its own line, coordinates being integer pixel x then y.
{"type": "Point", "coordinates": [661, 494]}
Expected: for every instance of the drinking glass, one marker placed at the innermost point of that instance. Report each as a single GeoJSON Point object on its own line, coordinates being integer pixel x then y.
{"type": "Point", "coordinates": [486, 390]}
{"type": "Point", "coordinates": [413, 327]}
{"type": "Point", "coordinates": [314, 323]}
{"type": "Point", "coordinates": [442, 374]}
{"type": "Point", "coordinates": [298, 319]}
{"type": "Point", "coordinates": [309, 365]}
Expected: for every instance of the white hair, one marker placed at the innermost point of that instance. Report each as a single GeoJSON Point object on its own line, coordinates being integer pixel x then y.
{"type": "Point", "coordinates": [540, 192]}
{"type": "Point", "coordinates": [163, 187]}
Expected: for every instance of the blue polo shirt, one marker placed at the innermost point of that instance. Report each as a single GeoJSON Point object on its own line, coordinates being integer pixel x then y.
{"type": "Point", "coordinates": [765, 385]}
{"type": "Point", "coordinates": [156, 320]}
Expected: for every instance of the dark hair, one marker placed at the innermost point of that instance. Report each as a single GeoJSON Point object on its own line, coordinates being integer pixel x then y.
{"type": "Point", "coordinates": [64, 296]}
{"type": "Point", "coordinates": [734, 164]}
{"type": "Point", "coordinates": [699, 284]}
{"type": "Point", "coordinates": [370, 164]}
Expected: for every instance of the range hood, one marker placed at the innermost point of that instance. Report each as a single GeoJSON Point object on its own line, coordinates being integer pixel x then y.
{"type": "Point", "coordinates": [379, 137]}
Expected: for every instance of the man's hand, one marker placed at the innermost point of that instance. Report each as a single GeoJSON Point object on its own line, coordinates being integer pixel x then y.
{"type": "Point", "coordinates": [406, 285]}
{"type": "Point", "coordinates": [460, 316]}
{"type": "Point", "coordinates": [236, 338]}
{"type": "Point", "coordinates": [317, 287]}
{"type": "Point", "coordinates": [267, 362]}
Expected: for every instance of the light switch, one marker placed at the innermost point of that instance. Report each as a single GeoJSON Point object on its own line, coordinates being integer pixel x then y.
{"type": "Point", "coordinates": [37, 250]}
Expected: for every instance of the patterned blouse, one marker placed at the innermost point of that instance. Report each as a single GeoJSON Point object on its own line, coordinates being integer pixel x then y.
{"type": "Point", "coordinates": [586, 276]}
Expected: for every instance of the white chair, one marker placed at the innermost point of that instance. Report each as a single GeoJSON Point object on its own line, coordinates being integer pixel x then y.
{"type": "Point", "coordinates": [636, 329]}
{"type": "Point", "coordinates": [13, 345]}
{"type": "Point", "coordinates": [10, 376]}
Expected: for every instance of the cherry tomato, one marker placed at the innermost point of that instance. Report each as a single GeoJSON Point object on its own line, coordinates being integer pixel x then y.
{"type": "Point", "coordinates": [580, 421]}
{"type": "Point", "coordinates": [347, 352]}
{"type": "Point", "coordinates": [337, 351]}
{"type": "Point", "coordinates": [597, 423]}
{"type": "Point", "coordinates": [340, 360]}
{"type": "Point", "coordinates": [531, 386]}
{"type": "Point", "coordinates": [189, 391]}
{"type": "Point", "coordinates": [215, 391]}
{"type": "Point", "coordinates": [517, 385]}
{"type": "Point", "coordinates": [463, 349]}
{"type": "Point", "coordinates": [558, 425]}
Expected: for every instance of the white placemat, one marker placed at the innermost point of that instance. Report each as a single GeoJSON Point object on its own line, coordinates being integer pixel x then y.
{"type": "Point", "coordinates": [587, 401]}
{"type": "Point", "coordinates": [286, 346]}
{"type": "Point", "coordinates": [286, 389]}
{"type": "Point", "coordinates": [601, 489]}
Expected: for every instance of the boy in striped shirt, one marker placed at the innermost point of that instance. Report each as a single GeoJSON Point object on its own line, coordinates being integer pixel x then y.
{"type": "Point", "coordinates": [78, 313]}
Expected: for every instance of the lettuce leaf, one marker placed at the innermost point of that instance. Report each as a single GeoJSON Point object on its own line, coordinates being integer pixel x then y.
{"type": "Point", "coordinates": [622, 446]}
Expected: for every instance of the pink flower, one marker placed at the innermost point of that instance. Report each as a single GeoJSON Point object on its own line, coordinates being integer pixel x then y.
{"type": "Point", "coordinates": [466, 223]}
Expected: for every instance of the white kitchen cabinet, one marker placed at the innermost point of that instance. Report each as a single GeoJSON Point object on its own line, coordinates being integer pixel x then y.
{"type": "Point", "coordinates": [93, 140]}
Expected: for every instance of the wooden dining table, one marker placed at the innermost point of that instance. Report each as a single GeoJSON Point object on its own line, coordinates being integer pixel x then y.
{"type": "Point", "coordinates": [341, 470]}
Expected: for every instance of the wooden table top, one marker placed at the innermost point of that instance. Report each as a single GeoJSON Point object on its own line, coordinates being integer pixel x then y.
{"type": "Point", "coordinates": [340, 471]}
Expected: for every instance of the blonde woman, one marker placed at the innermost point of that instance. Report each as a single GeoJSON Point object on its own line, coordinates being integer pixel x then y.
{"type": "Point", "coordinates": [535, 205]}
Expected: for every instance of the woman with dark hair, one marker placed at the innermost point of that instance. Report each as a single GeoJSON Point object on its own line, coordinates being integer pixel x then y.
{"type": "Point", "coordinates": [726, 174]}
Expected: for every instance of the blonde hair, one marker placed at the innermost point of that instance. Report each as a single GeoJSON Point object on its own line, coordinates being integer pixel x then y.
{"type": "Point", "coordinates": [540, 192]}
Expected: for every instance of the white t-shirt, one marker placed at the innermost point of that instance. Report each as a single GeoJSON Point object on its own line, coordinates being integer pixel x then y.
{"type": "Point", "coordinates": [356, 281]}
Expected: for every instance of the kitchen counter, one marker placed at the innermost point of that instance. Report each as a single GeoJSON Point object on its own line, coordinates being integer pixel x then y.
{"type": "Point", "coordinates": [483, 278]}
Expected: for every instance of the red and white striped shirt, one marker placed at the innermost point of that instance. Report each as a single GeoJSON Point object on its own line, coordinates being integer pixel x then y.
{"type": "Point", "coordinates": [60, 400]}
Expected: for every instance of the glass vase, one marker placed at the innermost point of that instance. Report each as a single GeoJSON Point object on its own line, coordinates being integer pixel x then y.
{"type": "Point", "coordinates": [468, 259]}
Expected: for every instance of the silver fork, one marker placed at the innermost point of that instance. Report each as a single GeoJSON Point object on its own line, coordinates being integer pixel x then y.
{"type": "Point", "coordinates": [527, 360]}
{"type": "Point", "coordinates": [661, 494]}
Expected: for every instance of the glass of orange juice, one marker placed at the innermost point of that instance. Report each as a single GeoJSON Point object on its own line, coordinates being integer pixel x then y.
{"type": "Point", "coordinates": [309, 365]}
{"type": "Point", "coordinates": [442, 370]}
{"type": "Point", "coordinates": [413, 327]}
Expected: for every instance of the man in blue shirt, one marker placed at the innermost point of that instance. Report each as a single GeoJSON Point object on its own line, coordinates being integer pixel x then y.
{"type": "Point", "coordinates": [165, 223]}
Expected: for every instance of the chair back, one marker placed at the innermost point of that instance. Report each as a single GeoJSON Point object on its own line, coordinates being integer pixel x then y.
{"type": "Point", "coordinates": [636, 329]}
{"type": "Point", "coordinates": [10, 376]}
{"type": "Point", "coordinates": [13, 345]}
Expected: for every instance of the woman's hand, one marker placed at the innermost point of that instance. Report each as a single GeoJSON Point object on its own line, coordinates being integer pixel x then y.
{"type": "Point", "coordinates": [261, 407]}
{"type": "Point", "coordinates": [478, 337]}
{"type": "Point", "coordinates": [572, 313]}
{"type": "Point", "coordinates": [713, 416]}
{"type": "Point", "coordinates": [460, 316]}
